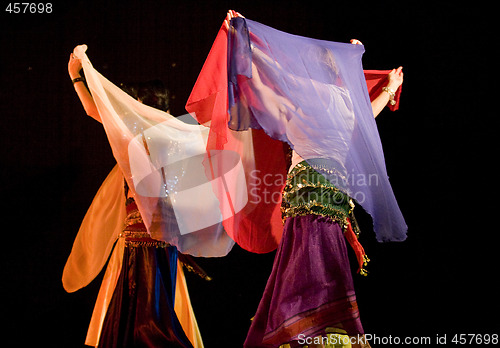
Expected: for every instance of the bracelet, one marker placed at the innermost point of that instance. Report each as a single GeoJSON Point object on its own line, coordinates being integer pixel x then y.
{"type": "Point", "coordinates": [392, 94]}
{"type": "Point", "coordinates": [78, 79]}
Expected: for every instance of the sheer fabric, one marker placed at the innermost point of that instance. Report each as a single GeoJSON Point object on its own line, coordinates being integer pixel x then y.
{"type": "Point", "coordinates": [313, 95]}
{"type": "Point", "coordinates": [97, 235]}
{"type": "Point", "coordinates": [307, 93]}
{"type": "Point", "coordinates": [161, 158]}
{"type": "Point", "coordinates": [258, 226]}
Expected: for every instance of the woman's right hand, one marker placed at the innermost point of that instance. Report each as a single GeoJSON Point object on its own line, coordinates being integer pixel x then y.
{"type": "Point", "coordinates": [230, 15]}
{"type": "Point", "coordinates": [74, 66]}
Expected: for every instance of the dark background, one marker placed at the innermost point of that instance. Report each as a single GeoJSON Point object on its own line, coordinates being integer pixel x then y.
{"type": "Point", "coordinates": [439, 147]}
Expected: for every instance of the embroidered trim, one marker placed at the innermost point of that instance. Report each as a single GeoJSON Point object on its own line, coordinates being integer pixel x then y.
{"type": "Point", "coordinates": [316, 208]}
{"type": "Point", "coordinates": [146, 242]}
{"type": "Point", "coordinates": [134, 234]}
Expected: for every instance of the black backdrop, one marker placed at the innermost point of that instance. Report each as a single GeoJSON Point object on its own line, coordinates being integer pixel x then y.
{"type": "Point", "coordinates": [54, 158]}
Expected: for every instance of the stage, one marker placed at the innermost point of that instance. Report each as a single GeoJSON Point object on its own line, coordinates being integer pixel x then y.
{"type": "Point", "coordinates": [439, 151]}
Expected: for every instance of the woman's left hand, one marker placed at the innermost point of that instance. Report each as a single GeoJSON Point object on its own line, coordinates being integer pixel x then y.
{"type": "Point", "coordinates": [395, 78]}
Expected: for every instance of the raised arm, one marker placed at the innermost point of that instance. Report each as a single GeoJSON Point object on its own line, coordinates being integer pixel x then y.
{"type": "Point", "coordinates": [74, 68]}
{"type": "Point", "coordinates": [394, 81]}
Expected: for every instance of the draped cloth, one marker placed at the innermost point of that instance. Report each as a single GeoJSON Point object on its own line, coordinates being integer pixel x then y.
{"type": "Point", "coordinates": [309, 94]}
{"type": "Point", "coordinates": [161, 158]}
{"type": "Point", "coordinates": [257, 227]}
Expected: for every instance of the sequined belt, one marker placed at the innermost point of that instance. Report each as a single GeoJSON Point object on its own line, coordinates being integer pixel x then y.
{"type": "Point", "coordinates": [134, 231]}
{"type": "Point", "coordinates": [307, 191]}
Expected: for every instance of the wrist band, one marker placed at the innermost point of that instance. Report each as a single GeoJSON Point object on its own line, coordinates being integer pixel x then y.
{"type": "Point", "coordinates": [78, 79]}
{"type": "Point", "coordinates": [392, 94]}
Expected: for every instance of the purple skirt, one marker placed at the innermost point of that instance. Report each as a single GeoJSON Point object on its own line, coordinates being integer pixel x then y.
{"type": "Point", "coordinates": [310, 287]}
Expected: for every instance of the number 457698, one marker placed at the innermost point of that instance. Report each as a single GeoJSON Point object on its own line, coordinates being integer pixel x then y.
{"type": "Point", "coordinates": [467, 339]}
{"type": "Point", "coordinates": [29, 7]}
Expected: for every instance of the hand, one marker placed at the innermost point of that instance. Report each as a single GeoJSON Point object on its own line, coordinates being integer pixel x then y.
{"type": "Point", "coordinates": [74, 66]}
{"type": "Point", "coordinates": [356, 42]}
{"type": "Point", "coordinates": [230, 15]}
{"type": "Point", "coordinates": [395, 78]}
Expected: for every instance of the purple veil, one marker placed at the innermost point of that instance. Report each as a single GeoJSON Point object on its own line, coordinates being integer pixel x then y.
{"type": "Point", "coordinates": [312, 94]}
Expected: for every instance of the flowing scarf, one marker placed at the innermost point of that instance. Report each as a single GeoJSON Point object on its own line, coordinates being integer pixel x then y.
{"type": "Point", "coordinates": [307, 93]}
{"type": "Point", "coordinates": [161, 158]}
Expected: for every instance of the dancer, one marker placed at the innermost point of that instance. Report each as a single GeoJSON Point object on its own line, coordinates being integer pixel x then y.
{"type": "Point", "coordinates": [143, 300]}
{"type": "Point", "coordinates": [311, 95]}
